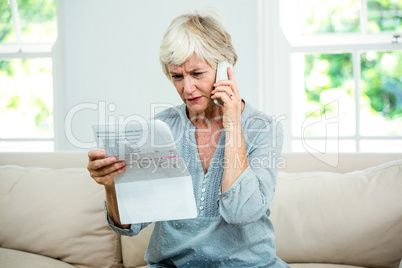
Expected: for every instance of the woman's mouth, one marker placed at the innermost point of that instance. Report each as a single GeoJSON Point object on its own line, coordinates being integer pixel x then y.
{"type": "Point", "coordinates": [195, 99]}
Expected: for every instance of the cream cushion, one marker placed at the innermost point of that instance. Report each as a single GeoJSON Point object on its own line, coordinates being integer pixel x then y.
{"type": "Point", "coordinates": [19, 259]}
{"type": "Point", "coordinates": [353, 218]}
{"type": "Point", "coordinates": [321, 265]}
{"type": "Point", "coordinates": [56, 213]}
{"type": "Point", "coordinates": [133, 248]}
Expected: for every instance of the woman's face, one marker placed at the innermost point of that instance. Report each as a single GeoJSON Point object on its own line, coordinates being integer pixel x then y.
{"type": "Point", "coordinates": [194, 81]}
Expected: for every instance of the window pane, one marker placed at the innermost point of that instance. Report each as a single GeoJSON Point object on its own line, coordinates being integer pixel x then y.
{"type": "Point", "coordinates": [26, 146]}
{"type": "Point", "coordinates": [38, 20]}
{"type": "Point", "coordinates": [329, 90]}
{"type": "Point", "coordinates": [326, 16]}
{"type": "Point", "coordinates": [378, 146]}
{"type": "Point", "coordinates": [26, 98]}
{"type": "Point", "coordinates": [381, 98]}
{"type": "Point", "coordinates": [384, 16]}
{"type": "Point", "coordinates": [7, 33]}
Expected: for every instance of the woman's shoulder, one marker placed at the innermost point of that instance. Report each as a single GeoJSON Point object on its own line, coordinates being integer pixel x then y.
{"type": "Point", "coordinates": [257, 119]}
{"type": "Point", "coordinates": [258, 126]}
{"type": "Point", "coordinates": [170, 113]}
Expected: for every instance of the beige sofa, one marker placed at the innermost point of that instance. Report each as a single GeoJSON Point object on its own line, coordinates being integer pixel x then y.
{"type": "Point", "coordinates": [51, 213]}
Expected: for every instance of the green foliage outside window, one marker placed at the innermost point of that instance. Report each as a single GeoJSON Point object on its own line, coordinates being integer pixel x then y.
{"type": "Point", "coordinates": [326, 72]}
{"type": "Point", "coordinates": [7, 33]}
{"type": "Point", "coordinates": [381, 79]}
{"type": "Point", "coordinates": [37, 17]}
{"type": "Point", "coordinates": [26, 84]}
{"type": "Point", "coordinates": [26, 95]}
{"type": "Point", "coordinates": [328, 16]}
{"type": "Point", "coordinates": [384, 15]}
{"type": "Point", "coordinates": [382, 82]}
{"type": "Point", "coordinates": [381, 72]}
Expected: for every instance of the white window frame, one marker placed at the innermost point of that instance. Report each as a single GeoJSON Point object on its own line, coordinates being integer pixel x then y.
{"type": "Point", "coordinates": [281, 40]}
{"type": "Point", "coordinates": [19, 50]}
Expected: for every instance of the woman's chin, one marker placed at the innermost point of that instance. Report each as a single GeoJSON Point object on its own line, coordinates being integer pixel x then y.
{"type": "Point", "coordinates": [199, 106]}
{"type": "Point", "coordinates": [196, 108]}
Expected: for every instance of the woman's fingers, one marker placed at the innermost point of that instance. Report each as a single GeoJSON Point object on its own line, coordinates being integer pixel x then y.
{"type": "Point", "coordinates": [96, 154]}
{"type": "Point", "coordinates": [100, 163]}
{"type": "Point", "coordinates": [102, 169]}
{"type": "Point", "coordinates": [228, 92]}
{"type": "Point", "coordinates": [231, 76]}
{"type": "Point", "coordinates": [221, 91]}
{"type": "Point", "coordinates": [105, 170]}
{"type": "Point", "coordinates": [231, 82]}
{"type": "Point", "coordinates": [226, 83]}
{"type": "Point", "coordinates": [225, 89]}
{"type": "Point", "coordinates": [108, 179]}
{"type": "Point", "coordinates": [228, 86]}
{"type": "Point", "coordinates": [224, 96]}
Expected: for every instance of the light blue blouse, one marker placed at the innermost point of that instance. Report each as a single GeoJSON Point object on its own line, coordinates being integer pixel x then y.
{"type": "Point", "coordinates": [233, 228]}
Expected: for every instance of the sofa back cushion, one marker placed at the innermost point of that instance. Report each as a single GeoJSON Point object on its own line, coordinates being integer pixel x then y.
{"type": "Point", "coordinates": [353, 218]}
{"type": "Point", "coordinates": [56, 213]}
{"type": "Point", "coordinates": [134, 248]}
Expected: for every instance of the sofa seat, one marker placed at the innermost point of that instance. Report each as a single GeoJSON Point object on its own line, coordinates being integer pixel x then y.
{"type": "Point", "coordinates": [321, 265]}
{"type": "Point", "coordinates": [20, 259]}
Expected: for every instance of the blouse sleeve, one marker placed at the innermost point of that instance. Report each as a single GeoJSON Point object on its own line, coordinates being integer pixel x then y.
{"type": "Point", "coordinates": [249, 198]}
{"type": "Point", "coordinates": [134, 228]}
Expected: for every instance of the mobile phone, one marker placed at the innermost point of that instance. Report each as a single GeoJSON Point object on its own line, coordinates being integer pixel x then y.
{"type": "Point", "coordinates": [222, 74]}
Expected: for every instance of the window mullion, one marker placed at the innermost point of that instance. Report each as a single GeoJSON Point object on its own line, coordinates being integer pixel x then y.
{"type": "Point", "coordinates": [16, 21]}
{"type": "Point", "coordinates": [345, 47]}
{"type": "Point", "coordinates": [356, 77]}
{"type": "Point", "coordinates": [25, 55]}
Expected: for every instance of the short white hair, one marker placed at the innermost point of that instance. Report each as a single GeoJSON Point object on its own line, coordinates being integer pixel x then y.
{"type": "Point", "coordinates": [201, 33]}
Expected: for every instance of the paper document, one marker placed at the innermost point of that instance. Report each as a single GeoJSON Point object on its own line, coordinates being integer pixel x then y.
{"type": "Point", "coordinates": [156, 185]}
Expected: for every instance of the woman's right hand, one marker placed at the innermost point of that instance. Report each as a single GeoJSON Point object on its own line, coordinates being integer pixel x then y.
{"type": "Point", "coordinates": [102, 169]}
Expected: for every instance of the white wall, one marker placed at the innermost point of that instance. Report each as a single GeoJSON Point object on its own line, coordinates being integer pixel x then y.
{"type": "Point", "coordinates": [108, 51]}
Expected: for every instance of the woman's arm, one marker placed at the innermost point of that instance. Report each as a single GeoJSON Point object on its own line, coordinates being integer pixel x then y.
{"type": "Point", "coordinates": [235, 150]}
{"type": "Point", "coordinates": [112, 208]}
{"type": "Point", "coordinates": [250, 195]}
{"type": "Point", "coordinates": [248, 184]}
{"type": "Point", "coordinates": [235, 161]}
{"type": "Point", "coordinates": [103, 170]}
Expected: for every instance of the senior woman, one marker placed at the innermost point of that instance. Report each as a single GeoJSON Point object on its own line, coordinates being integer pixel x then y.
{"type": "Point", "coordinates": [231, 151]}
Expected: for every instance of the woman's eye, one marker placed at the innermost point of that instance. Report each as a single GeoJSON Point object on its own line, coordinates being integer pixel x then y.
{"type": "Point", "coordinates": [198, 74]}
{"type": "Point", "coordinates": [176, 77]}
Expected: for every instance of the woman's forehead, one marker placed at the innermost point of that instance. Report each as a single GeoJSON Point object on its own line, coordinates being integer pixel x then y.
{"type": "Point", "coordinates": [193, 63]}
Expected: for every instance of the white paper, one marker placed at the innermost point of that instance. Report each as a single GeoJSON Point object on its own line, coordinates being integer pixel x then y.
{"type": "Point", "coordinates": [156, 185]}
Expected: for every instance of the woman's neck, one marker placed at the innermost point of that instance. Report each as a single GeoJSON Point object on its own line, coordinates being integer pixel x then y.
{"type": "Point", "coordinates": [210, 116]}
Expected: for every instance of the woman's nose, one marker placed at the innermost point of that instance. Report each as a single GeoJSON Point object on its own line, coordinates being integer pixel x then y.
{"type": "Point", "coordinates": [188, 84]}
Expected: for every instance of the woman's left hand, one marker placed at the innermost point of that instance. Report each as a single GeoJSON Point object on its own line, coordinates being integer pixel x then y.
{"type": "Point", "coordinates": [227, 91]}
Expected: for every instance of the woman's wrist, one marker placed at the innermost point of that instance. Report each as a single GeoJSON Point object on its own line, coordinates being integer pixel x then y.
{"type": "Point", "coordinates": [232, 126]}
{"type": "Point", "coordinates": [234, 136]}
{"type": "Point", "coordinates": [110, 188]}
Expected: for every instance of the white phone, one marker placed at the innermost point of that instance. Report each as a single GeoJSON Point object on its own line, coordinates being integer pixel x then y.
{"type": "Point", "coordinates": [222, 74]}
